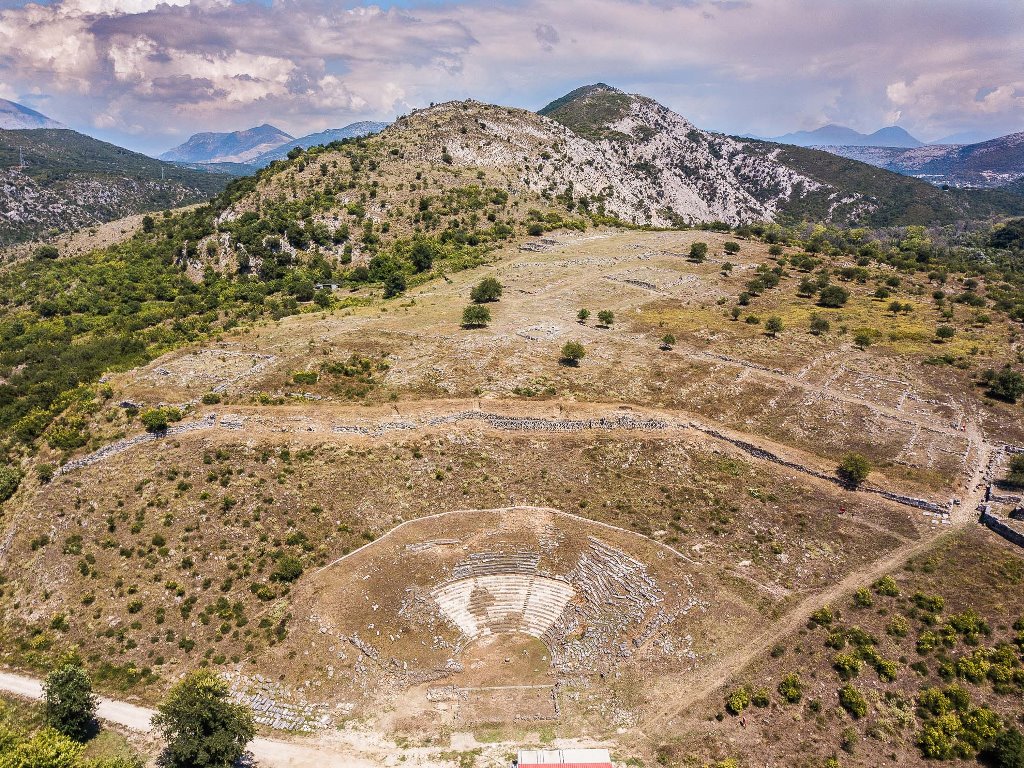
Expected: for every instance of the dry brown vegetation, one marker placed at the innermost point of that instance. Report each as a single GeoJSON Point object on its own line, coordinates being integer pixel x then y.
{"type": "Point", "coordinates": [328, 429]}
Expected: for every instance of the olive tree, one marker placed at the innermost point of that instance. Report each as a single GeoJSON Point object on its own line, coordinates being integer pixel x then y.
{"type": "Point", "coordinates": [475, 316]}
{"type": "Point", "coordinates": [854, 469]}
{"type": "Point", "coordinates": [488, 289]}
{"type": "Point", "coordinates": [572, 353]}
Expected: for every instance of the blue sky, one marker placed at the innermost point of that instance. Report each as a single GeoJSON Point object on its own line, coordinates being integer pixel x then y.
{"type": "Point", "coordinates": [146, 74]}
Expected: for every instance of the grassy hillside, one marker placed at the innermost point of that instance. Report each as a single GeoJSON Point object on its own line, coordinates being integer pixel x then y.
{"type": "Point", "coordinates": [587, 111]}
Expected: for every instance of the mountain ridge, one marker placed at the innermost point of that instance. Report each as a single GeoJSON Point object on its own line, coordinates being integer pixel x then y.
{"type": "Point", "coordinates": [233, 147]}
{"type": "Point", "coordinates": [986, 165]}
{"type": "Point", "coordinates": [840, 135]}
{"type": "Point", "coordinates": [18, 117]}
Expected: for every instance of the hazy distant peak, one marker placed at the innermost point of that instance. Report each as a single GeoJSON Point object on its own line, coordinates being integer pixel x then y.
{"type": "Point", "coordinates": [15, 117]}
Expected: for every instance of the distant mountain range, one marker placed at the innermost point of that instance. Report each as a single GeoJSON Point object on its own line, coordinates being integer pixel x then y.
{"type": "Point", "coordinates": [16, 117]}
{"type": "Point", "coordinates": [234, 147]}
{"type": "Point", "coordinates": [988, 164]}
{"type": "Point", "coordinates": [241, 152]}
{"type": "Point", "coordinates": [839, 135]}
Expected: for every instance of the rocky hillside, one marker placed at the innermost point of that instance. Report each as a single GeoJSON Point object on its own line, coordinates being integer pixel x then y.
{"type": "Point", "coordinates": [69, 181]}
{"type": "Point", "coordinates": [234, 147]}
{"type": "Point", "coordinates": [465, 174]}
{"type": "Point", "coordinates": [986, 165]}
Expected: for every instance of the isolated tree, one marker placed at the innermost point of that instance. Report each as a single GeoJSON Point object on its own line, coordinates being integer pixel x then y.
{"type": "Point", "coordinates": [582, 315]}
{"type": "Point", "coordinates": [735, 313]}
{"type": "Point", "coordinates": [475, 316]}
{"type": "Point", "coordinates": [945, 332]}
{"type": "Point", "coordinates": [731, 247]}
{"type": "Point", "coordinates": [698, 252]}
{"type": "Point", "coordinates": [833, 296]}
{"type": "Point", "coordinates": [157, 419]}
{"type": "Point", "coordinates": [668, 341]}
{"type": "Point", "coordinates": [775, 249]}
{"type": "Point", "coordinates": [70, 703]}
{"type": "Point", "coordinates": [606, 317]}
{"type": "Point", "coordinates": [488, 289]}
{"type": "Point", "coordinates": [854, 469]}
{"type": "Point", "coordinates": [819, 325]}
{"type": "Point", "coordinates": [201, 725]}
{"type": "Point", "coordinates": [806, 288]}
{"type": "Point", "coordinates": [572, 353]}
{"type": "Point", "coordinates": [773, 325]}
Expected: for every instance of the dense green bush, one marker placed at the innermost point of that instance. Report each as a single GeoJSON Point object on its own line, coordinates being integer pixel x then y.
{"type": "Point", "coordinates": [475, 316]}
{"type": "Point", "coordinates": [10, 479]}
{"type": "Point", "coordinates": [70, 703]}
{"type": "Point", "coordinates": [833, 296]}
{"type": "Point", "coordinates": [488, 289]}
{"type": "Point", "coordinates": [200, 724]}
{"type": "Point", "coordinates": [853, 701]}
{"type": "Point", "coordinates": [572, 353]}
{"type": "Point", "coordinates": [854, 469]}
{"type": "Point", "coordinates": [790, 688]}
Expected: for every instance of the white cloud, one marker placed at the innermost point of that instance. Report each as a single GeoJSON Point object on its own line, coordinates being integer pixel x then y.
{"type": "Point", "coordinates": [766, 66]}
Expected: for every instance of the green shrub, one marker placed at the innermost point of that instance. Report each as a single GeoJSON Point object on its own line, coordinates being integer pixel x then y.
{"type": "Point", "coordinates": [10, 479]}
{"type": "Point", "coordinates": [572, 353]}
{"type": "Point", "coordinates": [854, 469]}
{"type": "Point", "coordinates": [488, 289]}
{"type": "Point", "coordinates": [200, 724]}
{"type": "Point", "coordinates": [475, 316]}
{"type": "Point", "coordinates": [853, 701]}
{"type": "Point", "coordinates": [847, 665]}
{"type": "Point", "coordinates": [70, 703]}
{"type": "Point", "coordinates": [886, 586]}
{"type": "Point", "coordinates": [790, 688]}
{"type": "Point", "coordinates": [737, 701]}
{"type": "Point", "coordinates": [833, 296]}
{"type": "Point", "coordinates": [158, 419]}
{"type": "Point", "coordinates": [862, 598]}
{"type": "Point", "coordinates": [606, 317]}
{"type": "Point", "coordinates": [698, 252]}
{"type": "Point", "coordinates": [288, 568]}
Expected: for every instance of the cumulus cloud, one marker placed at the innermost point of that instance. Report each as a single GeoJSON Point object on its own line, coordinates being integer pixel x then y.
{"type": "Point", "coordinates": [160, 69]}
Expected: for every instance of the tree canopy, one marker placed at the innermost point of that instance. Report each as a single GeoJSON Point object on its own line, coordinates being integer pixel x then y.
{"type": "Point", "coordinates": [201, 725]}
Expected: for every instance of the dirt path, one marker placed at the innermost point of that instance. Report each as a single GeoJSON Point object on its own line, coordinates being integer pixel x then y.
{"type": "Point", "coordinates": [267, 752]}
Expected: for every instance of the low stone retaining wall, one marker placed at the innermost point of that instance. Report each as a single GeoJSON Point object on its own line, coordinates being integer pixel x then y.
{"type": "Point", "coordinates": [1000, 526]}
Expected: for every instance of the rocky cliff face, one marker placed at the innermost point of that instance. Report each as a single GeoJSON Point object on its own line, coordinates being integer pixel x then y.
{"type": "Point", "coordinates": [645, 165]}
